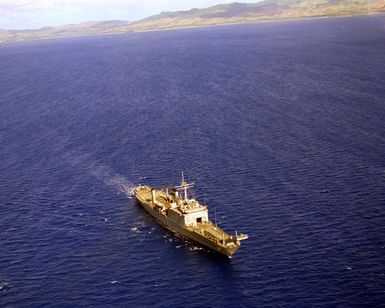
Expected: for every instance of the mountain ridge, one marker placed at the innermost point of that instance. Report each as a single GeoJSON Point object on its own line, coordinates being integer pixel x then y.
{"type": "Point", "coordinates": [234, 12]}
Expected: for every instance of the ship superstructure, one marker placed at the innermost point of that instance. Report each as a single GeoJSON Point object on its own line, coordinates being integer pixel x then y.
{"type": "Point", "coordinates": [186, 217]}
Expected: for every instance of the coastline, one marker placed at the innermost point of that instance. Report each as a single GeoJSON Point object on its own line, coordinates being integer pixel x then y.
{"type": "Point", "coordinates": [262, 20]}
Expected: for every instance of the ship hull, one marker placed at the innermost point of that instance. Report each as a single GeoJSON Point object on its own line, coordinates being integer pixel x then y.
{"type": "Point", "coordinates": [181, 231]}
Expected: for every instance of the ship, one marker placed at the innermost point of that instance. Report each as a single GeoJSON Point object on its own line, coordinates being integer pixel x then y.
{"type": "Point", "coordinates": [174, 210]}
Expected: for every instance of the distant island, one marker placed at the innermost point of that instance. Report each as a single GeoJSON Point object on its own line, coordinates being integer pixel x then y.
{"type": "Point", "coordinates": [215, 15]}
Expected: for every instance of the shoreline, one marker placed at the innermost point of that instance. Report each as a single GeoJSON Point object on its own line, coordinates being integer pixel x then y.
{"type": "Point", "coordinates": [262, 20]}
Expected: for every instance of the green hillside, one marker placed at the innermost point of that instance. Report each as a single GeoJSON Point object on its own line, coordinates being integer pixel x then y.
{"type": "Point", "coordinates": [219, 14]}
{"type": "Point", "coordinates": [265, 10]}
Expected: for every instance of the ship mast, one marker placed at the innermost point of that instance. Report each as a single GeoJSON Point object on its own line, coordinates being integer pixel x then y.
{"type": "Point", "coordinates": [184, 185]}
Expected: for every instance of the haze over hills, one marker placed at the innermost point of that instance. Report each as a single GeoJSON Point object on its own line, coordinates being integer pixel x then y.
{"type": "Point", "coordinates": [219, 14]}
{"type": "Point", "coordinates": [86, 28]}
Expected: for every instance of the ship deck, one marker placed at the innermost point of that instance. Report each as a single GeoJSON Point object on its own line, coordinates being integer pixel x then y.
{"type": "Point", "coordinates": [145, 195]}
{"type": "Point", "coordinates": [208, 229]}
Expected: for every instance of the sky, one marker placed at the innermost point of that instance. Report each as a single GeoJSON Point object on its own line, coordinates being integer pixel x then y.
{"type": "Point", "coordinates": [33, 14]}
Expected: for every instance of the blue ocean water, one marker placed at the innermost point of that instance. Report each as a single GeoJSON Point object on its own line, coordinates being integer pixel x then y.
{"type": "Point", "coordinates": [280, 124]}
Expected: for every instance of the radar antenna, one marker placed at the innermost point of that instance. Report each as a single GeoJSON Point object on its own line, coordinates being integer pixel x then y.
{"type": "Point", "coordinates": [184, 186]}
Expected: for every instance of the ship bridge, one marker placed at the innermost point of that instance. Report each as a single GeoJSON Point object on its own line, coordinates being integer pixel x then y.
{"type": "Point", "coordinates": [192, 211]}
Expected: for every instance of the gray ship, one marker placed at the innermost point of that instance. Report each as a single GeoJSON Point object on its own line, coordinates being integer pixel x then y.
{"type": "Point", "coordinates": [186, 217]}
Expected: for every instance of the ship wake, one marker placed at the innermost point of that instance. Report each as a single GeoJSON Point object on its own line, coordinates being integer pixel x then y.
{"type": "Point", "coordinates": [115, 181]}
{"type": "Point", "coordinates": [80, 159]}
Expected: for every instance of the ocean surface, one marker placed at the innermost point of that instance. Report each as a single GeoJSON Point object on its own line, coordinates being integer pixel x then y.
{"type": "Point", "coordinates": [281, 125]}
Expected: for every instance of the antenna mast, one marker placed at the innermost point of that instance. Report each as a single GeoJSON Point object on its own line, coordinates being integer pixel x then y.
{"type": "Point", "coordinates": [184, 185]}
